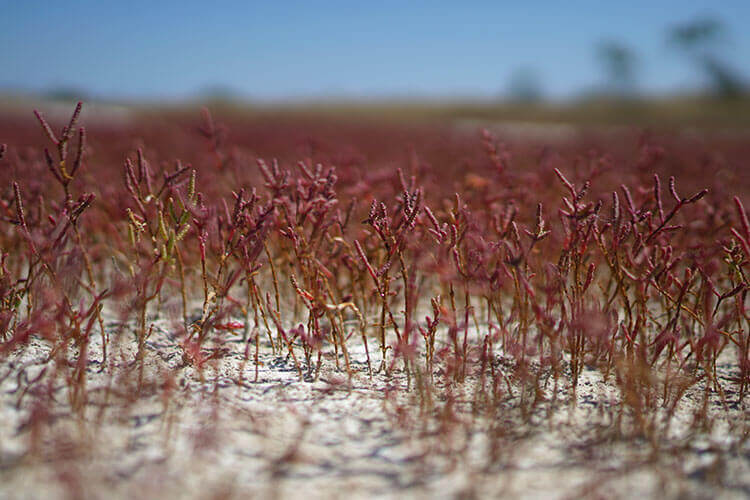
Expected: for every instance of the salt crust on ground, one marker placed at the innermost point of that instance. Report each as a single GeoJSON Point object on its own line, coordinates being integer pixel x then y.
{"type": "Point", "coordinates": [281, 437]}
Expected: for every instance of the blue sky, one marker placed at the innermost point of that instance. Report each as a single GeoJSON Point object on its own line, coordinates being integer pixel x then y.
{"type": "Point", "coordinates": [276, 50]}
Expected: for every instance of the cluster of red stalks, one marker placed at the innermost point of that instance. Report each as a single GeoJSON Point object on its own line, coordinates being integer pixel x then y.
{"type": "Point", "coordinates": [514, 268]}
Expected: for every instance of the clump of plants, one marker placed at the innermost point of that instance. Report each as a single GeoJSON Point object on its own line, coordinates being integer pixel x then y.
{"type": "Point", "coordinates": [488, 284]}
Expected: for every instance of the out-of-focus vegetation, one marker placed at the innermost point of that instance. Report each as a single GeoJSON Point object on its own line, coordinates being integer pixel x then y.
{"type": "Point", "coordinates": [681, 112]}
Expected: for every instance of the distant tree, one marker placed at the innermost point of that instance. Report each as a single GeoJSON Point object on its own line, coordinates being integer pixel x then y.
{"type": "Point", "coordinates": [700, 40]}
{"type": "Point", "coordinates": [219, 93]}
{"type": "Point", "coordinates": [619, 64]}
{"type": "Point", "coordinates": [66, 94]}
{"type": "Point", "coordinates": [524, 86]}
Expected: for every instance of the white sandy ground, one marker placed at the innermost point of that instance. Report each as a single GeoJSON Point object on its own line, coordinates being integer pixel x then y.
{"type": "Point", "coordinates": [281, 437]}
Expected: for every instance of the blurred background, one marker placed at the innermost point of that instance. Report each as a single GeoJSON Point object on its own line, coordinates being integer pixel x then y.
{"type": "Point", "coordinates": [638, 61]}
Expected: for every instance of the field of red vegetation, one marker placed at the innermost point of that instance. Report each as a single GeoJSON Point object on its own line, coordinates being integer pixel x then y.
{"type": "Point", "coordinates": [306, 306]}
